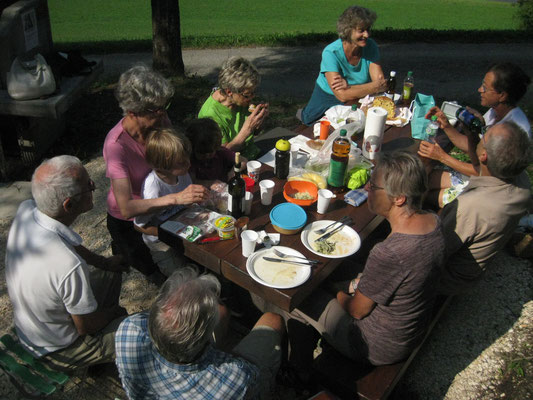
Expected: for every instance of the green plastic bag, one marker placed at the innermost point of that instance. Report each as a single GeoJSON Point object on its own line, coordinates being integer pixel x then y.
{"type": "Point", "coordinates": [421, 105]}
{"type": "Point", "coordinates": [357, 177]}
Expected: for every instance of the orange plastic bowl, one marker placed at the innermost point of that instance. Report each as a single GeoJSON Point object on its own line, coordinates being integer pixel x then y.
{"type": "Point", "coordinates": [292, 187]}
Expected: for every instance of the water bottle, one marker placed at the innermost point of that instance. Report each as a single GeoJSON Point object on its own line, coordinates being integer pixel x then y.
{"type": "Point", "coordinates": [432, 129]}
{"type": "Point", "coordinates": [408, 84]}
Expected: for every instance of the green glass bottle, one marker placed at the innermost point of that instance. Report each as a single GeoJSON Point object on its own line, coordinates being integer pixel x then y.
{"type": "Point", "coordinates": [340, 153]}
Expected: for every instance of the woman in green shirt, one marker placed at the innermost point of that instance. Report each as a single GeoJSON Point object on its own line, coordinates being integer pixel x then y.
{"type": "Point", "coordinates": [228, 105]}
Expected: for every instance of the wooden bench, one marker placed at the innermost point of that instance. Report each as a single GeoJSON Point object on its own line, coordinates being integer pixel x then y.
{"type": "Point", "coordinates": [346, 379]}
{"type": "Point", "coordinates": [31, 377]}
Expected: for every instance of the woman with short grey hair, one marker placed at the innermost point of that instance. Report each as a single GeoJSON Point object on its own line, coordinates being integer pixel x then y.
{"type": "Point", "coordinates": [382, 316]}
{"type": "Point", "coordinates": [350, 67]}
{"type": "Point", "coordinates": [144, 96]}
{"type": "Point", "coordinates": [230, 106]}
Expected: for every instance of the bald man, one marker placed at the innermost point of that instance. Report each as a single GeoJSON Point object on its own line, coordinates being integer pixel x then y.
{"type": "Point", "coordinates": [65, 312]}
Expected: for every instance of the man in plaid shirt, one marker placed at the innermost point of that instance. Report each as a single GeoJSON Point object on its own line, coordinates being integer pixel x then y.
{"type": "Point", "coordinates": [167, 353]}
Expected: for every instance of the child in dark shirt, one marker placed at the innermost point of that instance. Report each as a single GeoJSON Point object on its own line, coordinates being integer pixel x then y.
{"type": "Point", "coordinates": [210, 162]}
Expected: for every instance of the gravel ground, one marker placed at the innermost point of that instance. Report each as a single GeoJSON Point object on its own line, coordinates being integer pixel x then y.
{"type": "Point", "coordinates": [467, 356]}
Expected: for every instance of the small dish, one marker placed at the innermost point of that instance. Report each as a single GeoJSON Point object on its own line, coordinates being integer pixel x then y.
{"type": "Point", "coordinates": [288, 218]}
{"type": "Point", "coordinates": [291, 188]}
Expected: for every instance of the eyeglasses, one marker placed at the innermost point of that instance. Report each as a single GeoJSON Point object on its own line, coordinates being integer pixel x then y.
{"type": "Point", "coordinates": [484, 89]}
{"type": "Point", "coordinates": [374, 187]}
{"type": "Point", "coordinates": [247, 96]}
{"type": "Point", "coordinates": [159, 110]}
{"type": "Point", "coordinates": [92, 188]}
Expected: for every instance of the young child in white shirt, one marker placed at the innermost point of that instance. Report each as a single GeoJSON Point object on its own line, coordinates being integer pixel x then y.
{"type": "Point", "coordinates": [167, 152]}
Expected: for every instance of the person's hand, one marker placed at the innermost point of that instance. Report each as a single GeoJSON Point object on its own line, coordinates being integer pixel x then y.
{"type": "Point", "coordinates": [431, 150]}
{"type": "Point", "coordinates": [116, 264]}
{"type": "Point", "coordinates": [476, 114]}
{"type": "Point", "coordinates": [216, 185]}
{"type": "Point", "coordinates": [339, 83]}
{"type": "Point", "coordinates": [191, 194]}
{"type": "Point", "coordinates": [442, 119]}
{"type": "Point", "coordinates": [380, 85]}
{"type": "Point", "coordinates": [255, 119]}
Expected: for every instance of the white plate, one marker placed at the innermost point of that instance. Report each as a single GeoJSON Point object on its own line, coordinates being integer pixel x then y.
{"type": "Point", "coordinates": [353, 241]}
{"type": "Point", "coordinates": [277, 275]}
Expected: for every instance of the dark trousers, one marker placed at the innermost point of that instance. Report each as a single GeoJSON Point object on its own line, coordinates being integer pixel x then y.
{"type": "Point", "coordinates": [129, 244]}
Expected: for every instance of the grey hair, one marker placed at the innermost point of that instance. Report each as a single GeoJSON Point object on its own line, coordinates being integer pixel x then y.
{"type": "Point", "coordinates": [403, 175]}
{"type": "Point", "coordinates": [354, 17]}
{"type": "Point", "coordinates": [509, 153]}
{"type": "Point", "coordinates": [184, 314]}
{"type": "Point", "coordinates": [141, 88]}
{"type": "Point", "coordinates": [238, 74]}
{"type": "Point", "coordinates": [54, 181]}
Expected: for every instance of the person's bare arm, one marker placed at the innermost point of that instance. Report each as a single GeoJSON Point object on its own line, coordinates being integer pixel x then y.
{"type": "Point", "coordinates": [87, 324]}
{"type": "Point", "coordinates": [435, 152]}
{"type": "Point", "coordinates": [113, 263]}
{"type": "Point", "coordinates": [344, 92]}
{"type": "Point", "coordinates": [253, 122]}
{"type": "Point", "coordinates": [358, 306]}
{"type": "Point", "coordinates": [130, 207]}
{"type": "Point", "coordinates": [147, 229]}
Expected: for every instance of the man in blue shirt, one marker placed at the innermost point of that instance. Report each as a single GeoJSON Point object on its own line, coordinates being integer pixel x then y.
{"type": "Point", "coordinates": [168, 352]}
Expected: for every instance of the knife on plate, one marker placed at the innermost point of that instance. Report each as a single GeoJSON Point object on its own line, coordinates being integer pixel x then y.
{"type": "Point", "coordinates": [280, 260]}
{"type": "Point", "coordinates": [330, 233]}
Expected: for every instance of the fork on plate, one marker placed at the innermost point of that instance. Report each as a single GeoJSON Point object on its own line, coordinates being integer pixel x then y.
{"type": "Point", "coordinates": [283, 255]}
{"type": "Point", "coordinates": [343, 220]}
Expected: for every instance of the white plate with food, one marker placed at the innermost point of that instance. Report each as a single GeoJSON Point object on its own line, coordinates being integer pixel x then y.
{"type": "Point", "coordinates": [279, 275]}
{"type": "Point", "coordinates": [342, 244]}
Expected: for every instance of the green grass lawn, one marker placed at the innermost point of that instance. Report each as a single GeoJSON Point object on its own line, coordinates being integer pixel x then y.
{"type": "Point", "coordinates": [219, 22]}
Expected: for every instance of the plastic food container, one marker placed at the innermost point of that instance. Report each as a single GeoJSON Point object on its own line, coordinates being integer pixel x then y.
{"type": "Point", "coordinates": [225, 226]}
{"type": "Point", "coordinates": [288, 218]}
{"type": "Point", "coordinates": [292, 187]}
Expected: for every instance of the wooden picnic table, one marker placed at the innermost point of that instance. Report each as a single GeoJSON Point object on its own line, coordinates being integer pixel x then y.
{"type": "Point", "coordinates": [225, 257]}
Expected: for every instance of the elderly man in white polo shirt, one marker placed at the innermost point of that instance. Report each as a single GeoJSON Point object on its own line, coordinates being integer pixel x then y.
{"type": "Point", "coordinates": [64, 312]}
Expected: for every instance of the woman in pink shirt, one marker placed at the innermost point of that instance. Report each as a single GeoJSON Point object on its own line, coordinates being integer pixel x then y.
{"type": "Point", "coordinates": [144, 97]}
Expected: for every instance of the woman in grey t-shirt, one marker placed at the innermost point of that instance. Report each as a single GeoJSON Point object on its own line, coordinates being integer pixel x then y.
{"type": "Point", "coordinates": [385, 317]}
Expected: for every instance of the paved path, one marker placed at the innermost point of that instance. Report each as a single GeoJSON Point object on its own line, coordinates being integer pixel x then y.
{"type": "Point", "coordinates": [448, 70]}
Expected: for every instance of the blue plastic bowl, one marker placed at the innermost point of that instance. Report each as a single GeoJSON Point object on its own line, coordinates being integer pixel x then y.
{"type": "Point", "coordinates": [288, 218]}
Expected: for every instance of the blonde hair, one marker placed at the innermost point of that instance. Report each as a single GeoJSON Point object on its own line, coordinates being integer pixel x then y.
{"type": "Point", "coordinates": [166, 147]}
{"type": "Point", "coordinates": [238, 74]}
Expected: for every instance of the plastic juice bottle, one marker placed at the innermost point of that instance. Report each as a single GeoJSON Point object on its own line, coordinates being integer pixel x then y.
{"type": "Point", "coordinates": [340, 153]}
{"type": "Point", "coordinates": [470, 120]}
{"type": "Point", "coordinates": [432, 129]}
{"type": "Point", "coordinates": [391, 84]}
{"type": "Point", "coordinates": [236, 190]}
{"type": "Point", "coordinates": [408, 84]}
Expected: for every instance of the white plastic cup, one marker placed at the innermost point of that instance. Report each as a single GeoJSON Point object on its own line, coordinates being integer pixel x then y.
{"type": "Point", "coordinates": [266, 187]}
{"type": "Point", "coordinates": [253, 168]}
{"type": "Point", "coordinates": [248, 239]}
{"type": "Point", "coordinates": [324, 197]}
{"type": "Point", "coordinates": [294, 154]}
{"type": "Point", "coordinates": [248, 199]}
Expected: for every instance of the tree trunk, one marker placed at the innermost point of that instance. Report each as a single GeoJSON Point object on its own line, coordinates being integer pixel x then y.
{"type": "Point", "coordinates": [167, 57]}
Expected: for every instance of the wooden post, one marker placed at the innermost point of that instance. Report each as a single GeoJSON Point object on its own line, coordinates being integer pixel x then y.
{"type": "Point", "coordinates": [167, 57]}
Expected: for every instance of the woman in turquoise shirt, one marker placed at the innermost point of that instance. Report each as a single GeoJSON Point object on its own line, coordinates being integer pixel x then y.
{"type": "Point", "coordinates": [350, 67]}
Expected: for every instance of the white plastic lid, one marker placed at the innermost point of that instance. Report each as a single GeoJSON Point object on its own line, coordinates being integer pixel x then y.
{"type": "Point", "coordinates": [393, 73]}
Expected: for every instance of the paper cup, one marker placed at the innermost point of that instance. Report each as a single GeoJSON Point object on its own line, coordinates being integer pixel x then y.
{"type": "Point", "coordinates": [267, 189]}
{"type": "Point", "coordinates": [248, 199]}
{"type": "Point", "coordinates": [294, 154]}
{"type": "Point", "coordinates": [324, 129]}
{"type": "Point", "coordinates": [324, 197]}
{"type": "Point", "coordinates": [253, 168]}
{"type": "Point", "coordinates": [248, 239]}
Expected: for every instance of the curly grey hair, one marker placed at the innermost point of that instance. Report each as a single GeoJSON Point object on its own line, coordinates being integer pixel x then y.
{"type": "Point", "coordinates": [354, 17]}
{"type": "Point", "coordinates": [238, 74]}
{"type": "Point", "coordinates": [140, 88]}
{"type": "Point", "coordinates": [403, 175]}
{"type": "Point", "coordinates": [508, 151]}
{"type": "Point", "coordinates": [54, 181]}
{"type": "Point", "coordinates": [184, 314]}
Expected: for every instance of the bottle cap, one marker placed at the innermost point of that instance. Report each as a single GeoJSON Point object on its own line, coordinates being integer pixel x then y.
{"type": "Point", "coordinates": [410, 73]}
{"type": "Point", "coordinates": [343, 132]}
{"type": "Point", "coordinates": [354, 107]}
{"type": "Point", "coordinates": [434, 118]}
{"type": "Point", "coordinates": [283, 145]}
{"type": "Point", "coordinates": [393, 73]}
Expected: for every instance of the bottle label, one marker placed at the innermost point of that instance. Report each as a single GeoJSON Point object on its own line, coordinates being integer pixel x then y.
{"type": "Point", "coordinates": [406, 92]}
{"type": "Point", "coordinates": [230, 203]}
{"type": "Point", "coordinates": [337, 169]}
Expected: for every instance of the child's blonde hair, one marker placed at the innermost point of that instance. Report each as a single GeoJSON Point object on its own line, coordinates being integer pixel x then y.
{"type": "Point", "coordinates": [165, 148]}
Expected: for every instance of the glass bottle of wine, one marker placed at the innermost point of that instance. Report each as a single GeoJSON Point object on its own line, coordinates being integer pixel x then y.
{"type": "Point", "coordinates": [236, 190]}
